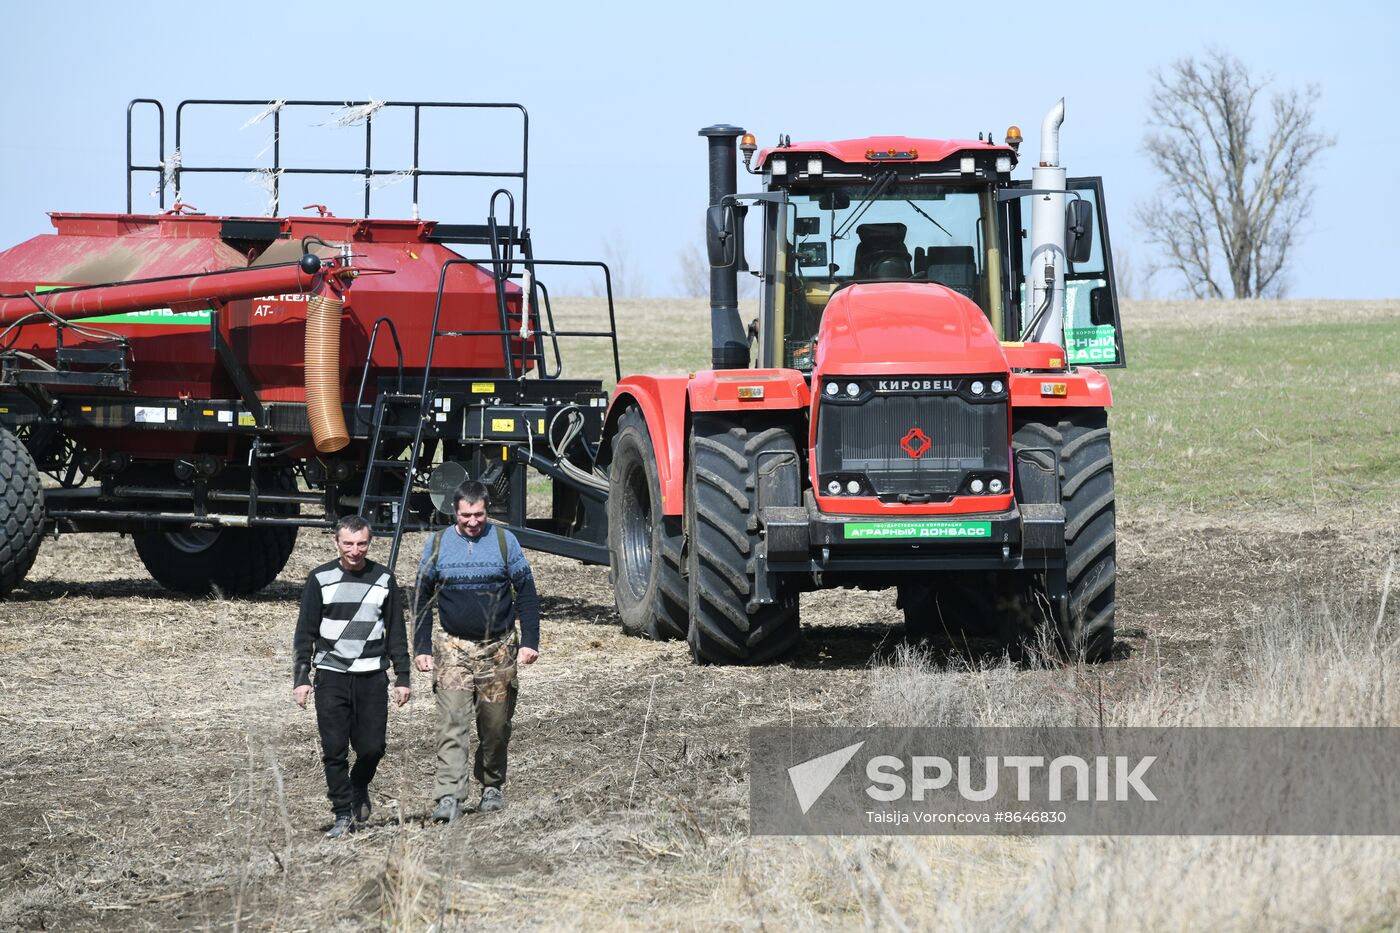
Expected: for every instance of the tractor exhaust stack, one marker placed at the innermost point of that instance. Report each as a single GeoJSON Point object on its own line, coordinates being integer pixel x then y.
{"type": "Point", "coordinates": [729, 345]}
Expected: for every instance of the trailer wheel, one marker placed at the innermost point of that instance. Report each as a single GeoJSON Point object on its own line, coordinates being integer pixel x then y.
{"type": "Point", "coordinates": [21, 512]}
{"type": "Point", "coordinates": [1081, 441]}
{"type": "Point", "coordinates": [236, 561]}
{"type": "Point", "coordinates": [721, 516]}
{"type": "Point", "coordinates": [644, 545]}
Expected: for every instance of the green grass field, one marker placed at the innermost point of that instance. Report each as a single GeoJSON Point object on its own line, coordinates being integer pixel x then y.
{"type": "Point", "coordinates": [1258, 414]}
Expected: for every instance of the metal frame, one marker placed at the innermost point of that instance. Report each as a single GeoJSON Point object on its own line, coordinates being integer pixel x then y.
{"type": "Point", "coordinates": [172, 176]}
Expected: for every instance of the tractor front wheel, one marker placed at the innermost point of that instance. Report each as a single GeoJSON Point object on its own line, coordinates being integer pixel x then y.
{"type": "Point", "coordinates": [1080, 440]}
{"type": "Point", "coordinates": [722, 493]}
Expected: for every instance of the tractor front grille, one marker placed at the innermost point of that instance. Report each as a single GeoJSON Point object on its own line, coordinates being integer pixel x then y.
{"type": "Point", "coordinates": [917, 445]}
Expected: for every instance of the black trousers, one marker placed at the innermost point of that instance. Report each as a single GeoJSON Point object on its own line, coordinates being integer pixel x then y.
{"type": "Point", "coordinates": [351, 710]}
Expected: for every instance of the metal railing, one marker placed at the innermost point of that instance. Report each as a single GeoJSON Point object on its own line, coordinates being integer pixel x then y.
{"type": "Point", "coordinates": [172, 170]}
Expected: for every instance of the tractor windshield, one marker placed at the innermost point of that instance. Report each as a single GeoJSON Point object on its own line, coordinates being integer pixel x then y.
{"type": "Point", "coordinates": [883, 231]}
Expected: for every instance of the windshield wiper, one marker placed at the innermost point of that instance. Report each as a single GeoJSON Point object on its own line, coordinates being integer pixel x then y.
{"type": "Point", "coordinates": [930, 219]}
{"type": "Point", "coordinates": [877, 188]}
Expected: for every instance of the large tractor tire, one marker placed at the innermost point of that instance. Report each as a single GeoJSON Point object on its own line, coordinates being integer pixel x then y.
{"type": "Point", "coordinates": [644, 544]}
{"type": "Point", "coordinates": [721, 515]}
{"type": "Point", "coordinates": [236, 561]}
{"type": "Point", "coordinates": [1081, 441]}
{"type": "Point", "coordinates": [21, 512]}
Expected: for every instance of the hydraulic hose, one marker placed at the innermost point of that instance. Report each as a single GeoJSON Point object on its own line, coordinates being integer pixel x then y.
{"type": "Point", "coordinates": [323, 392]}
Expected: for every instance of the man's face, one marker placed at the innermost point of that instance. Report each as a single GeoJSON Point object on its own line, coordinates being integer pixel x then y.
{"type": "Point", "coordinates": [353, 546]}
{"type": "Point", "coordinates": [471, 518]}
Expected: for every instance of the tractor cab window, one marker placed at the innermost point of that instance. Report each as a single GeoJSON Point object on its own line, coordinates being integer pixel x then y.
{"type": "Point", "coordinates": [878, 231]}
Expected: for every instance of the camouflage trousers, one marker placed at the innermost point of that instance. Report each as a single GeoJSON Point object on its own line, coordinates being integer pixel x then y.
{"type": "Point", "coordinates": [474, 680]}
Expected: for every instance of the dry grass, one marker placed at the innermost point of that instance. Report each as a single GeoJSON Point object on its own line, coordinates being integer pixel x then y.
{"type": "Point", "coordinates": [154, 773]}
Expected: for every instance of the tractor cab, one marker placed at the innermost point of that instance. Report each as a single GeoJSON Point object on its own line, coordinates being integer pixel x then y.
{"type": "Point", "coordinates": [941, 213]}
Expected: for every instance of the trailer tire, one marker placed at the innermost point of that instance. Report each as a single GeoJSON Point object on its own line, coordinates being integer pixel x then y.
{"type": "Point", "coordinates": [21, 512]}
{"type": "Point", "coordinates": [1080, 439]}
{"type": "Point", "coordinates": [722, 519]}
{"type": "Point", "coordinates": [644, 545]}
{"type": "Point", "coordinates": [235, 561]}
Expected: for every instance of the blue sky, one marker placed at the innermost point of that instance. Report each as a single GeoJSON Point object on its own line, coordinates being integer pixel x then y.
{"type": "Point", "coordinates": [616, 92]}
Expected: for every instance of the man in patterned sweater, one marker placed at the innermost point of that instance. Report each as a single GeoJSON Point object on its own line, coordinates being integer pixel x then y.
{"type": "Point", "coordinates": [351, 626]}
{"type": "Point", "coordinates": [478, 576]}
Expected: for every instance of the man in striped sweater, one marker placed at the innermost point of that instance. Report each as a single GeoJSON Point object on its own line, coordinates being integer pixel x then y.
{"type": "Point", "coordinates": [351, 626]}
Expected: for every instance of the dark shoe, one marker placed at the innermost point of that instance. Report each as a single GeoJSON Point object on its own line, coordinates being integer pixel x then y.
{"type": "Point", "coordinates": [491, 800]}
{"type": "Point", "coordinates": [344, 826]}
{"type": "Point", "coordinates": [446, 810]}
{"type": "Point", "coordinates": [361, 805]}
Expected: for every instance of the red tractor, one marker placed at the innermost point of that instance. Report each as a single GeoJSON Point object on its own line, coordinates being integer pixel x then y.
{"type": "Point", "coordinates": [920, 411]}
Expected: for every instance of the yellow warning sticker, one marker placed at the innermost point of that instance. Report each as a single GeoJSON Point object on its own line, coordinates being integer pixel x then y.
{"type": "Point", "coordinates": [480, 388]}
{"type": "Point", "coordinates": [246, 419]}
{"type": "Point", "coordinates": [503, 424]}
{"type": "Point", "coordinates": [541, 426]}
{"type": "Point", "coordinates": [208, 412]}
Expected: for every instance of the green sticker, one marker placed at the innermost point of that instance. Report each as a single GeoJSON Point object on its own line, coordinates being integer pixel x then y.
{"type": "Point", "coordinates": [164, 316]}
{"type": "Point", "coordinates": [1091, 344]}
{"type": "Point", "coordinates": [871, 531]}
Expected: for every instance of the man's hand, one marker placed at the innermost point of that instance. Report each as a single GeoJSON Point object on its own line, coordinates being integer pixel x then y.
{"type": "Point", "coordinates": [401, 695]}
{"type": "Point", "coordinates": [300, 694]}
{"type": "Point", "coordinates": [424, 663]}
{"type": "Point", "coordinates": [528, 655]}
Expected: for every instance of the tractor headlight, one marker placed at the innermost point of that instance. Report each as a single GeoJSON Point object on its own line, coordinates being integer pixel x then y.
{"type": "Point", "coordinates": [852, 389]}
{"type": "Point", "coordinates": [976, 486]}
{"type": "Point", "coordinates": [853, 487]}
{"type": "Point", "coordinates": [834, 487]}
{"type": "Point", "coordinates": [997, 386]}
{"type": "Point", "coordinates": [977, 387]}
{"type": "Point", "coordinates": [832, 388]}
{"type": "Point", "coordinates": [995, 486]}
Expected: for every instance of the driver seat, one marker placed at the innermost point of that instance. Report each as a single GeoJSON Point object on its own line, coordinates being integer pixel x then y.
{"type": "Point", "coordinates": [881, 253]}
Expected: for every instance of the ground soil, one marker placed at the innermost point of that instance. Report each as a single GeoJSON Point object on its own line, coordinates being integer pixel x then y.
{"type": "Point", "coordinates": [156, 774]}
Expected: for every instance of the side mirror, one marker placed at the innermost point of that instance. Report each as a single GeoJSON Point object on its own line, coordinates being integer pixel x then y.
{"type": "Point", "coordinates": [1079, 231]}
{"type": "Point", "coordinates": [721, 235]}
{"type": "Point", "coordinates": [833, 201]}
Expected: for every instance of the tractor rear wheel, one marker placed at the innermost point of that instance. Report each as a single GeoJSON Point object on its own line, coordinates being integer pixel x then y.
{"type": "Point", "coordinates": [1080, 440]}
{"type": "Point", "coordinates": [644, 544]}
{"type": "Point", "coordinates": [722, 519]}
{"type": "Point", "coordinates": [236, 561]}
{"type": "Point", "coordinates": [21, 512]}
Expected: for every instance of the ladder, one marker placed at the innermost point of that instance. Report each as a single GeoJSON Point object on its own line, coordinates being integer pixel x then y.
{"type": "Point", "coordinates": [389, 474]}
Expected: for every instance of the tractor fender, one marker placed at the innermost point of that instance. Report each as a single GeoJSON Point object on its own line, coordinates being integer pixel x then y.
{"type": "Point", "coordinates": [777, 390]}
{"type": "Point", "coordinates": [1086, 387]}
{"type": "Point", "coordinates": [662, 400]}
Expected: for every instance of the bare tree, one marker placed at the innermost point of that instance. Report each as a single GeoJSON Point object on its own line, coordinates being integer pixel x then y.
{"type": "Point", "coordinates": [693, 275]}
{"type": "Point", "coordinates": [692, 272]}
{"type": "Point", "coordinates": [1235, 194]}
{"type": "Point", "coordinates": [618, 257]}
{"type": "Point", "coordinates": [1125, 274]}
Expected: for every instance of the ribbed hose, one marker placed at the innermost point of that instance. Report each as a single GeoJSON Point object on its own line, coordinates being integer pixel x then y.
{"type": "Point", "coordinates": [323, 407]}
